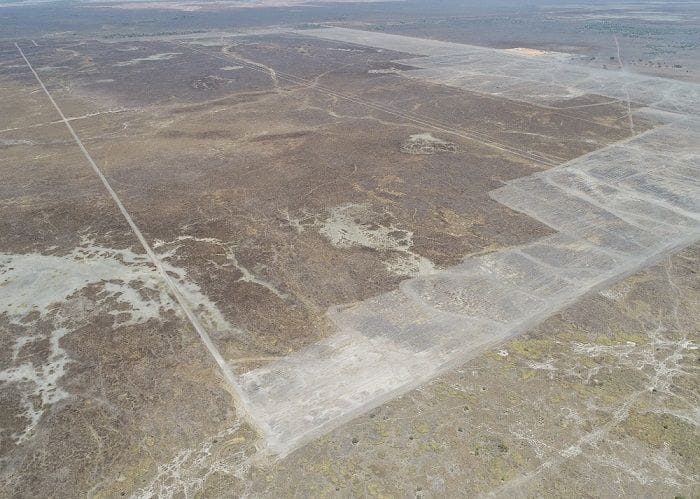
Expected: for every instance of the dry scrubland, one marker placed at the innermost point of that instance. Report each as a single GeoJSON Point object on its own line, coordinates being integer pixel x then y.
{"type": "Point", "coordinates": [337, 261]}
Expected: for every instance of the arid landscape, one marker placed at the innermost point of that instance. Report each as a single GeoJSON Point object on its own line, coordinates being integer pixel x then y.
{"type": "Point", "coordinates": [374, 249]}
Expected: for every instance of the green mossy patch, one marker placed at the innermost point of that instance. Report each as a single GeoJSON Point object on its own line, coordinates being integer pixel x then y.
{"type": "Point", "coordinates": [660, 430]}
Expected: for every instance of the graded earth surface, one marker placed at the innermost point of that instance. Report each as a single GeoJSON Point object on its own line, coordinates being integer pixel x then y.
{"type": "Point", "coordinates": [368, 249]}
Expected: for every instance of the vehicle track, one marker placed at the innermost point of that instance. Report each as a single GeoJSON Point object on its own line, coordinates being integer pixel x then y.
{"type": "Point", "coordinates": [172, 286]}
{"type": "Point", "coordinates": [539, 158]}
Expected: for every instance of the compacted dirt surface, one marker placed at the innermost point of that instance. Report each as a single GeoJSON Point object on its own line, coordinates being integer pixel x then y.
{"type": "Point", "coordinates": [289, 259]}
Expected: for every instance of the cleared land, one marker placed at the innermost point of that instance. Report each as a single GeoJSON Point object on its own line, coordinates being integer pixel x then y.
{"type": "Point", "coordinates": [403, 266]}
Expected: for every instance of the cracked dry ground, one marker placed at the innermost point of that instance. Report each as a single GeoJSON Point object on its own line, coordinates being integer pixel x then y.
{"type": "Point", "coordinates": [243, 182]}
